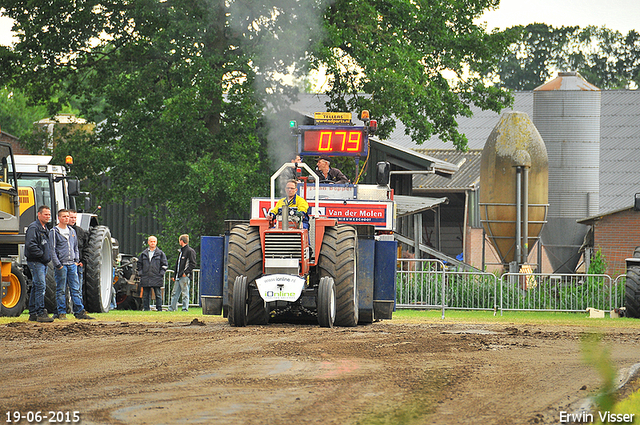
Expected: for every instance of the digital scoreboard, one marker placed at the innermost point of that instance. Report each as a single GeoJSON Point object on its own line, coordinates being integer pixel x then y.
{"type": "Point", "coordinates": [333, 141]}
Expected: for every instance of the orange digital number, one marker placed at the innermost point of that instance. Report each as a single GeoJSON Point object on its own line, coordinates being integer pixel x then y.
{"type": "Point", "coordinates": [325, 136]}
{"type": "Point", "coordinates": [353, 142]}
{"type": "Point", "coordinates": [343, 135]}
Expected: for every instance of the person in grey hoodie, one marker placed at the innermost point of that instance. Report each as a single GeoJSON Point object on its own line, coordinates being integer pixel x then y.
{"type": "Point", "coordinates": [65, 258]}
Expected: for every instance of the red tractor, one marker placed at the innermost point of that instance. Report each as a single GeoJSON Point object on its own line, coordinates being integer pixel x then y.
{"type": "Point", "coordinates": [289, 271]}
{"type": "Point", "coordinates": [339, 269]}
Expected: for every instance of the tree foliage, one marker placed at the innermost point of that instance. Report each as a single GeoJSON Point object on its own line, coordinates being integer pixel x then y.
{"type": "Point", "coordinates": [190, 94]}
{"type": "Point", "coordinates": [604, 57]}
{"type": "Point", "coordinates": [402, 51]}
{"type": "Point", "coordinates": [16, 114]}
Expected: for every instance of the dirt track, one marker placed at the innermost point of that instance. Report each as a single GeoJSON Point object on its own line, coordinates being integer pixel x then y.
{"type": "Point", "coordinates": [388, 372]}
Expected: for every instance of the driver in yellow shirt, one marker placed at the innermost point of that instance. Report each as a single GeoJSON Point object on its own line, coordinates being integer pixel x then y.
{"type": "Point", "coordinates": [295, 203]}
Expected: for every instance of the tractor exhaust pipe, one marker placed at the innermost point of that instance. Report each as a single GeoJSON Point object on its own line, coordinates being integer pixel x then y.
{"type": "Point", "coordinates": [285, 216]}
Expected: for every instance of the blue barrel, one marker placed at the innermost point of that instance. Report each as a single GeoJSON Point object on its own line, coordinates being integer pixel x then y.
{"type": "Point", "coordinates": [211, 274]}
{"type": "Point", "coordinates": [365, 273]}
{"type": "Point", "coordinates": [384, 293]}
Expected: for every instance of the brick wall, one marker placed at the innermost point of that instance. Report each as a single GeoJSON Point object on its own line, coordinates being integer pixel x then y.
{"type": "Point", "coordinates": [474, 253]}
{"type": "Point", "coordinates": [617, 235]}
{"type": "Point", "coordinates": [14, 142]}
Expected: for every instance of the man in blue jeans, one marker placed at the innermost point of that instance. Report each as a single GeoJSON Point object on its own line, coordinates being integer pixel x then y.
{"type": "Point", "coordinates": [83, 238]}
{"type": "Point", "coordinates": [184, 266]}
{"type": "Point", "coordinates": [38, 255]}
{"type": "Point", "coordinates": [65, 257]}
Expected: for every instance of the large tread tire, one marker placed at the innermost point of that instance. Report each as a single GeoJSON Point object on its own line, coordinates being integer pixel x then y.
{"type": "Point", "coordinates": [15, 300]}
{"type": "Point", "coordinates": [240, 301]}
{"type": "Point", "coordinates": [98, 270]}
{"type": "Point", "coordinates": [50, 302]}
{"type": "Point", "coordinates": [128, 302]}
{"type": "Point", "coordinates": [326, 302]}
{"type": "Point", "coordinates": [337, 259]}
{"type": "Point", "coordinates": [245, 259]}
{"type": "Point", "coordinates": [632, 292]}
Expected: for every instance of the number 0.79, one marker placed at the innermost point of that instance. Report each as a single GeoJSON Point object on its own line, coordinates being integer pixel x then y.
{"type": "Point", "coordinates": [333, 141]}
{"type": "Point", "coordinates": [348, 141]}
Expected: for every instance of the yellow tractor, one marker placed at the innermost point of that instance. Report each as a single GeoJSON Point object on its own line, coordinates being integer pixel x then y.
{"type": "Point", "coordinates": [14, 287]}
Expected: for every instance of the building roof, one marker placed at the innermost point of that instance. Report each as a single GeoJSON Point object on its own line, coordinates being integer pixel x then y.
{"type": "Point", "coordinates": [594, 218]}
{"type": "Point", "coordinates": [62, 119]}
{"type": "Point", "coordinates": [4, 134]}
{"type": "Point", "coordinates": [413, 159]}
{"type": "Point", "coordinates": [467, 177]}
{"type": "Point", "coordinates": [477, 128]}
{"type": "Point", "coordinates": [407, 205]}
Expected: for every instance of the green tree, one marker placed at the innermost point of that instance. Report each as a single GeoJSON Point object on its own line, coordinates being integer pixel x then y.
{"type": "Point", "coordinates": [194, 97]}
{"type": "Point", "coordinates": [531, 60]}
{"type": "Point", "coordinates": [604, 57]}
{"type": "Point", "coordinates": [400, 51]}
{"type": "Point", "coordinates": [16, 115]}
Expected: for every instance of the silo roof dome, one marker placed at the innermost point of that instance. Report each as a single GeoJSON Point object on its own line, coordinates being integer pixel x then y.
{"type": "Point", "coordinates": [570, 80]}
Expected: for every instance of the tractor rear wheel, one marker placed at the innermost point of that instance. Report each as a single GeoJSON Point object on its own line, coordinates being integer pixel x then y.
{"type": "Point", "coordinates": [14, 301]}
{"type": "Point", "coordinates": [245, 259]}
{"type": "Point", "coordinates": [337, 259]}
{"type": "Point", "coordinates": [326, 302]}
{"type": "Point", "coordinates": [632, 292]}
{"type": "Point", "coordinates": [50, 301]}
{"type": "Point", "coordinates": [98, 270]}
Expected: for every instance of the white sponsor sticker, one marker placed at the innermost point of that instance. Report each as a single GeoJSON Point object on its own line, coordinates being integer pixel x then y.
{"type": "Point", "coordinates": [280, 287]}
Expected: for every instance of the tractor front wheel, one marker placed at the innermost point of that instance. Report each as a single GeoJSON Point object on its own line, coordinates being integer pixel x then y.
{"type": "Point", "coordinates": [245, 259]}
{"type": "Point", "coordinates": [240, 301]}
{"type": "Point", "coordinates": [13, 303]}
{"type": "Point", "coordinates": [326, 302]}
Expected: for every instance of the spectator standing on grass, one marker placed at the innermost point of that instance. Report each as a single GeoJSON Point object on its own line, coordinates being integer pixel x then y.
{"type": "Point", "coordinates": [83, 238]}
{"type": "Point", "coordinates": [184, 266]}
{"type": "Point", "coordinates": [65, 257]}
{"type": "Point", "coordinates": [152, 264]}
{"type": "Point", "coordinates": [38, 255]}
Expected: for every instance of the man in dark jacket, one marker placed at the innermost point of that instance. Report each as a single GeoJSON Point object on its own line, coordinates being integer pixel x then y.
{"type": "Point", "coordinates": [38, 255]}
{"type": "Point", "coordinates": [184, 266]}
{"type": "Point", "coordinates": [152, 264]}
{"type": "Point", "coordinates": [328, 174]}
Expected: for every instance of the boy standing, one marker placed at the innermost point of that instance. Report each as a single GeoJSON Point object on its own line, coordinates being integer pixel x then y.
{"type": "Point", "coordinates": [65, 257]}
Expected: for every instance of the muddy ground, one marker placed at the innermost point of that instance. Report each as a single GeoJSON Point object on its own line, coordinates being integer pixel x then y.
{"type": "Point", "coordinates": [389, 372]}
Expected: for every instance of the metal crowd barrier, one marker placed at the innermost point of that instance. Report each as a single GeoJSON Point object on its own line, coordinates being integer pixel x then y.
{"type": "Point", "coordinates": [194, 289]}
{"type": "Point", "coordinates": [428, 284]}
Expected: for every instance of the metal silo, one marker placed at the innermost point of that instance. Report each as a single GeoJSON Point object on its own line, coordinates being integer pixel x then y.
{"type": "Point", "coordinates": [513, 187]}
{"type": "Point", "coordinates": [566, 112]}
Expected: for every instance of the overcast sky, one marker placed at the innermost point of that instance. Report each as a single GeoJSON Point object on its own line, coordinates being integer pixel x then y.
{"type": "Point", "coordinates": [621, 15]}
